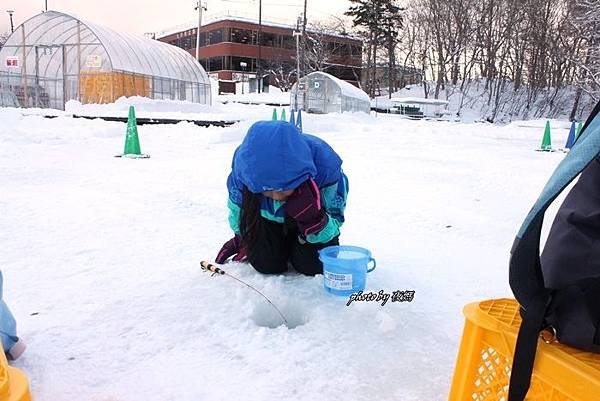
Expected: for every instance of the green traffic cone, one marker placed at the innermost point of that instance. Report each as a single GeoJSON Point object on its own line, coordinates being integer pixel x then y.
{"type": "Point", "coordinates": [283, 117]}
{"type": "Point", "coordinates": [132, 141]}
{"type": "Point", "coordinates": [546, 142]}
{"type": "Point", "coordinates": [274, 117]}
{"type": "Point", "coordinates": [578, 131]}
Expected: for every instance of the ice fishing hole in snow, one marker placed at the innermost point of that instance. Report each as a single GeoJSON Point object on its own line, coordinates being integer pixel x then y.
{"type": "Point", "coordinates": [264, 315]}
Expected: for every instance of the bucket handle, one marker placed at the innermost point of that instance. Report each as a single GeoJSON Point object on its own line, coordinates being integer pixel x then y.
{"type": "Point", "coordinates": [374, 265]}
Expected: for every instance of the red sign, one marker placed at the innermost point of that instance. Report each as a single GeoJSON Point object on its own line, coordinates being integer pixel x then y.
{"type": "Point", "coordinates": [12, 61]}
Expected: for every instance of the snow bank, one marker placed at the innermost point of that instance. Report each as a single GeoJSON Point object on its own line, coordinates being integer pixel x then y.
{"type": "Point", "coordinates": [274, 96]}
{"type": "Point", "coordinates": [142, 104]}
{"type": "Point", "coordinates": [472, 102]}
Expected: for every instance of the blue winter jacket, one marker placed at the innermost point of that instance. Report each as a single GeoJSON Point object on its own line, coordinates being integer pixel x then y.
{"type": "Point", "coordinates": [275, 156]}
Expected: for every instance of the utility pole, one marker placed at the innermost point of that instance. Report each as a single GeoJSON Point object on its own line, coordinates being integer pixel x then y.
{"type": "Point", "coordinates": [304, 21]}
{"type": "Point", "coordinates": [304, 37]}
{"type": "Point", "coordinates": [258, 39]}
{"type": "Point", "coordinates": [46, 5]}
{"type": "Point", "coordinates": [297, 35]}
{"type": "Point", "coordinates": [10, 14]}
{"type": "Point", "coordinates": [199, 7]}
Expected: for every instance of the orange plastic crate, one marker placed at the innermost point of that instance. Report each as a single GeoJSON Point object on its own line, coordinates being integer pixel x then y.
{"type": "Point", "coordinates": [484, 360]}
{"type": "Point", "coordinates": [13, 383]}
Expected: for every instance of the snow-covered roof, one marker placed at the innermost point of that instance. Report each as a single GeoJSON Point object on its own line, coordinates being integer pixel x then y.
{"type": "Point", "coordinates": [124, 52]}
{"type": "Point", "coordinates": [419, 100]}
{"type": "Point", "coordinates": [346, 88]}
{"type": "Point", "coordinates": [227, 17]}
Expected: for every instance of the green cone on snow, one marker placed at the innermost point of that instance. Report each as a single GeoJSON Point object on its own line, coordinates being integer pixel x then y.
{"type": "Point", "coordinates": [546, 141]}
{"type": "Point", "coordinates": [578, 131]}
{"type": "Point", "coordinates": [132, 141]}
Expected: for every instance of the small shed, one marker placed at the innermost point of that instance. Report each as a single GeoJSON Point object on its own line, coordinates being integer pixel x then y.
{"type": "Point", "coordinates": [319, 92]}
{"type": "Point", "coordinates": [417, 108]}
{"type": "Point", "coordinates": [54, 57]}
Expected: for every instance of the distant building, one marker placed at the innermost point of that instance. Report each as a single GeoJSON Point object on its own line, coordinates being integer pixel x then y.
{"type": "Point", "coordinates": [229, 52]}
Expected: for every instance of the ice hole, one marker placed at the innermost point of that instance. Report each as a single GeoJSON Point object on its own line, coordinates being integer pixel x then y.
{"type": "Point", "coordinates": [265, 315]}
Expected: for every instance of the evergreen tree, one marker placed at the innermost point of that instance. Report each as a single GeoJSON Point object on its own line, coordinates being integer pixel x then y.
{"type": "Point", "coordinates": [367, 14]}
{"type": "Point", "coordinates": [381, 21]}
{"type": "Point", "coordinates": [391, 24]}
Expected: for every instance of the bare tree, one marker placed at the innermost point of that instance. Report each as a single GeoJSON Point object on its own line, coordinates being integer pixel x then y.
{"type": "Point", "coordinates": [321, 48]}
{"type": "Point", "coordinates": [282, 72]}
{"type": "Point", "coordinates": [586, 15]}
{"type": "Point", "coordinates": [525, 58]}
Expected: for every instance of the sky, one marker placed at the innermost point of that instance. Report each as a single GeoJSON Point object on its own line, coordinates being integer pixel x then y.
{"type": "Point", "coordinates": [139, 17]}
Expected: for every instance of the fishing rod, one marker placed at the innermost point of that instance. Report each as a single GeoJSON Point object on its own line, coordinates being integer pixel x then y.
{"type": "Point", "coordinates": [207, 266]}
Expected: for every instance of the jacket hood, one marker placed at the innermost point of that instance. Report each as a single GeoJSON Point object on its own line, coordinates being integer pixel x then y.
{"type": "Point", "coordinates": [274, 156]}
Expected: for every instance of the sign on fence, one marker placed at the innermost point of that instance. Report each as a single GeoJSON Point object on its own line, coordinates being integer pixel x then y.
{"type": "Point", "coordinates": [12, 61]}
{"type": "Point", "coordinates": [94, 61]}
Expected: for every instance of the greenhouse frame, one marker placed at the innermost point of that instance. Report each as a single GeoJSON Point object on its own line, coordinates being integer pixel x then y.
{"type": "Point", "coordinates": [319, 92]}
{"type": "Point", "coordinates": [54, 57]}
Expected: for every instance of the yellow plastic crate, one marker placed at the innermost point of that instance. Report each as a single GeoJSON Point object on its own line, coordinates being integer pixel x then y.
{"type": "Point", "coordinates": [13, 383]}
{"type": "Point", "coordinates": [484, 360]}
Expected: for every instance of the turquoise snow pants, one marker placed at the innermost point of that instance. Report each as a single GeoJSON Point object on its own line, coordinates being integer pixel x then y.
{"type": "Point", "coordinates": [8, 325]}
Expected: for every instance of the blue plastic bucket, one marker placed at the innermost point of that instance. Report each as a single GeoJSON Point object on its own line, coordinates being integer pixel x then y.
{"type": "Point", "coordinates": [345, 268]}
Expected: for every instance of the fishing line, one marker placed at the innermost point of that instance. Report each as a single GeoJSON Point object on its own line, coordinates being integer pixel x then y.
{"type": "Point", "coordinates": [207, 266]}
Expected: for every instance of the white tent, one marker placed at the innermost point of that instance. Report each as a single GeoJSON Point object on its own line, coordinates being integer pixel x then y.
{"type": "Point", "coordinates": [54, 57]}
{"type": "Point", "coordinates": [319, 92]}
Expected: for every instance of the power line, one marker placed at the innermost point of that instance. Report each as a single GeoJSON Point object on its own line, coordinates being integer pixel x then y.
{"type": "Point", "coordinates": [265, 4]}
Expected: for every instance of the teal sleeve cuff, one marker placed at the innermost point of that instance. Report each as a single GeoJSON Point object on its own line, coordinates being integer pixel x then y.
{"type": "Point", "coordinates": [234, 216]}
{"type": "Point", "coordinates": [329, 232]}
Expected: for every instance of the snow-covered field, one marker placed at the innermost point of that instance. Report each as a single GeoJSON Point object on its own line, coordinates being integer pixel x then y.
{"type": "Point", "coordinates": [101, 255]}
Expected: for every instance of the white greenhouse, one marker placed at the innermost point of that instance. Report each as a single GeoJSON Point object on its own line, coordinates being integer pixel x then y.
{"type": "Point", "coordinates": [319, 92]}
{"type": "Point", "coordinates": [54, 57]}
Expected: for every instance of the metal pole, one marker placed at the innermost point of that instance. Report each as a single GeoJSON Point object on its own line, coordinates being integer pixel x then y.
{"type": "Point", "coordinates": [46, 8]}
{"type": "Point", "coordinates": [304, 37]}
{"type": "Point", "coordinates": [10, 14]}
{"type": "Point", "coordinates": [199, 7]}
{"type": "Point", "coordinates": [64, 72]}
{"type": "Point", "coordinates": [243, 65]}
{"type": "Point", "coordinates": [37, 76]}
{"type": "Point", "coordinates": [297, 35]}
{"type": "Point", "coordinates": [259, 61]}
{"type": "Point", "coordinates": [304, 22]}
{"type": "Point", "coordinates": [78, 61]}
{"type": "Point", "coordinates": [24, 80]}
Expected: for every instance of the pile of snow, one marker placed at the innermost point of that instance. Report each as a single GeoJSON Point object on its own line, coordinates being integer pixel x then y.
{"type": "Point", "coordinates": [167, 109]}
{"type": "Point", "coordinates": [273, 96]}
{"type": "Point", "coordinates": [214, 89]}
{"type": "Point", "coordinates": [142, 105]}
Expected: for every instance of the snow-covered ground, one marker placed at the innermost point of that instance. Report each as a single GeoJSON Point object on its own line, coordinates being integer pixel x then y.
{"type": "Point", "coordinates": [101, 255]}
